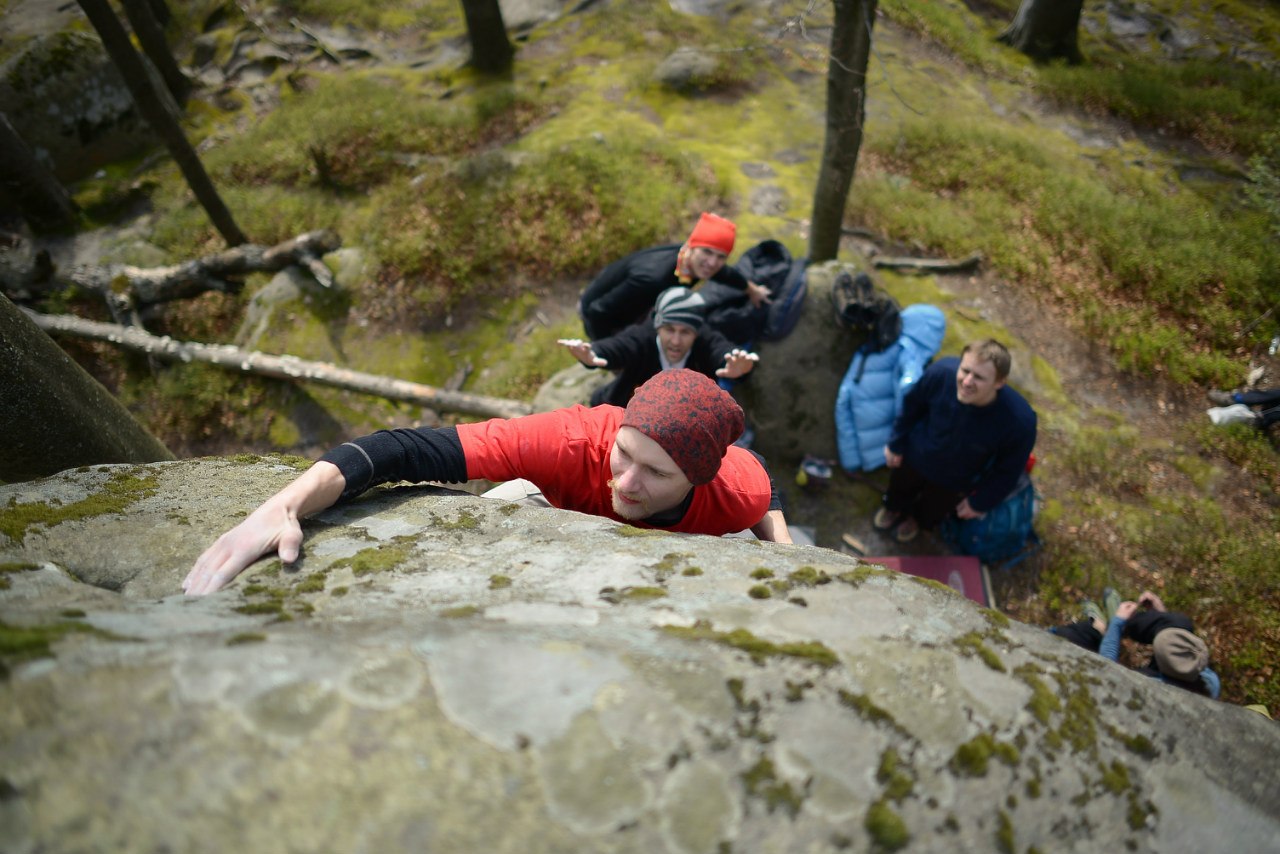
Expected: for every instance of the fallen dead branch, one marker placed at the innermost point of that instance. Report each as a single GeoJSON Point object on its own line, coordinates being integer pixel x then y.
{"type": "Point", "coordinates": [930, 265]}
{"type": "Point", "coordinates": [280, 367]}
{"type": "Point", "coordinates": [127, 289]}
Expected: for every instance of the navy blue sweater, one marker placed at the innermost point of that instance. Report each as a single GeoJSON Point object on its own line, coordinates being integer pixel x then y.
{"type": "Point", "coordinates": [976, 450]}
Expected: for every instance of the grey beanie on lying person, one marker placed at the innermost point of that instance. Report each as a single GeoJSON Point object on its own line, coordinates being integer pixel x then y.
{"type": "Point", "coordinates": [680, 305]}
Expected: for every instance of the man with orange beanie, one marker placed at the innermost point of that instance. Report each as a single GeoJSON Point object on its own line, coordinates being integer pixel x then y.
{"type": "Point", "coordinates": [626, 290]}
{"type": "Point", "coordinates": [665, 461]}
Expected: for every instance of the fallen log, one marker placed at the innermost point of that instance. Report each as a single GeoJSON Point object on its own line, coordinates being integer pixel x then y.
{"type": "Point", "coordinates": [930, 265]}
{"type": "Point", "coordinates": [280, 367]}
{"type": "Point", "coordinates": [127, 289]}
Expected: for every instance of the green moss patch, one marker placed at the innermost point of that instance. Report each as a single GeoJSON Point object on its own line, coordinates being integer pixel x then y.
{"type": "Point", "coordinates": [971, 644]}
{"type": "Point", "coordinates": [379, 558]}
{"type": "Point", "coordinates": [120, 492]}
{"type": "Point", "coordinates": [886, 828]}
{"type": "Point", "coordinates": [21, 643]}
{"type": "Point", "coordinates": [758, 648]}
{"type": "Point", "coordinates": [761, 781]}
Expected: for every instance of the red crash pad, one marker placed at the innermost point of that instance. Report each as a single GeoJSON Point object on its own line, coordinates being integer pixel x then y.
{"type": "Point", "coordinates": [962, 573]}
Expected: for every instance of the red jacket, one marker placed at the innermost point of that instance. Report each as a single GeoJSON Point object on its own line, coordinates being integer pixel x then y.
{"type": "Point", "coordinates": [566, 454]}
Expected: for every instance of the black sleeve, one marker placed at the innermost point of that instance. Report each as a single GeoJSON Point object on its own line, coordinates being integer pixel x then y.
{"type": "Point", "coordinates": [416, 455]}
{"type": "Point", "coordinates": [718, 347]}
{"type": "Point", "coordinates": [1143, 626]}
{"type": "Point", "coordinates": [731, 276]}
{"type": "Point", "coordinates": [775, 497]}
{"type": "Point", "coordinates": [624, 349]}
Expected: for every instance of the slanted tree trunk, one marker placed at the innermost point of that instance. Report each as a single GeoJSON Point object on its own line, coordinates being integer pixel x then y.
{"type": "Point", "coordinates": [846, 110]}
{"type": "Point", "coordinates": [281, 367]}
{"type": "Point", "coordinates": [1046, 29]}
{"type": "Point", "coordinates": [43, 202]}
{"type": "Point", "coordinates": [56, 416]}
{"type": "Point", "coordinates": [153, 109]}
{"type": "Point", "coordinates": [491, 50]}
{"type": "Point", "coordinates": [151, 36]}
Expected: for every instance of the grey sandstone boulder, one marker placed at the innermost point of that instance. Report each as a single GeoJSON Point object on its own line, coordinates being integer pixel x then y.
{"type": "Point", "coordinates": [450, 673]}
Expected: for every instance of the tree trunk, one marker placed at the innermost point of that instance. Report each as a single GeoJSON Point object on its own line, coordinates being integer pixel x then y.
{"type": "Point", "coordinates": [160, 10]}
{"type": "Point", "coordinates": [281, 367]}
{"type": "Point", "coordinates": [153, 109]}
{"type": "Point", "coordinates": [491, 50]}
{"type": "Point", "coordinates": [56, 416]}
{"type": "Point", "coordinates": [1046, 29]}
{"type": "Point", "coordinates": [43, 202]}
{"type": "Point", "coordinates": [846, 109]}
{"type": "Point", "coordinates": [151, 36]}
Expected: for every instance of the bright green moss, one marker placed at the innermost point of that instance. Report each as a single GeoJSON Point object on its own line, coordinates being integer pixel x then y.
{"type": "Point", "coordinates": [465, 521]}
{"type": "Point", "coordinates": [759, 649]}
{"type": "Point", "coordinates": [863, 705]}
{"type": "Point", "coordinates": [808, 576]}
{"type": "Point", "coordinates": [379, 558]}
{"type": "Point", "coordinates": [313, 583]}
{"type": "Point", "coordinates": [271, 606]}
{"type": "Point", "coordinates": [121, 491]}
{"type": "Point", "coordinates": [21, 643]}
{"type": "Point", "coordinates": [1004, 833]}
{"type": "Point", "coordinates": [760, 591]}
{"type": "Point", "coordinates": [633, 531]}
{"type": "Point", "coordinates": [640, 594]}
{"type": "Point", "coordinates": [972, 758]}
{"type": "Point", "coordinates": [761, 781]}
{"type": "Point", "coordinates": [995, 618]}
{"type": "Point", "coordinates": [887, 829]}
{"type": "Point", "coordinates": [1141, 745]}
{"type": "Point", "coordinates": [1044, 702]}
{"type": "Point", "coordinates": [895, 779]}
{"type": "Point", "coordinates": [1116, 778]}
{"type": "Point", "coordinates": [971, 644]}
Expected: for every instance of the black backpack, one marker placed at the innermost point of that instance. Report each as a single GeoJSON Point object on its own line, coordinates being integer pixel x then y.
{"type": "Point", "coordinates": [770, 264]}
{"type": "Point", "coordinates": [863, 308]}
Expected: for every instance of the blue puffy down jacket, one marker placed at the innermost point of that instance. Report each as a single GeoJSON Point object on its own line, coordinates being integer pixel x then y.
{"type": "Point", "coordinates": [871, 392]}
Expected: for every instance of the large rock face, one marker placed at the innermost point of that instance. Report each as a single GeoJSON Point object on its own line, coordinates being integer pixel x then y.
{"type": "Point", "coordinates": [450, 673]}
{"type": "Point", "coordinates": [790, 397]}
{"type": "Point", "coordinates": [53, 415]}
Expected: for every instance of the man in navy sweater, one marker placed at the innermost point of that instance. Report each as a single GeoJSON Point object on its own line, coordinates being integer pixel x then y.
{"type": "Point", "coordinates": [961, 442]}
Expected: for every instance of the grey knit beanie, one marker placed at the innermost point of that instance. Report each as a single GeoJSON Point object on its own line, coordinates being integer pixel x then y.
{"type": "Point", "coordinates": [680, 305]}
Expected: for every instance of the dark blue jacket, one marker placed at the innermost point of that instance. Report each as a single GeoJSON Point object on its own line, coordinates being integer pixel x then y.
{"type": "Point", "coordinates": [976, 450]}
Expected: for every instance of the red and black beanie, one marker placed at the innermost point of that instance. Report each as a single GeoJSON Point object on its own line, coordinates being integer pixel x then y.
{"type": "Point", "coordinates": [690, 417]}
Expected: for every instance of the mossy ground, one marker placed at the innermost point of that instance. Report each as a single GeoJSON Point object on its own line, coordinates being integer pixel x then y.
{"type": "Point", "coordinates": [483, 207]}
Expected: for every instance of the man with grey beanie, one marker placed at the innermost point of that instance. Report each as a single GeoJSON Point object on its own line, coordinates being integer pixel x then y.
{"type": "Point", "coordinates": [676, 338]}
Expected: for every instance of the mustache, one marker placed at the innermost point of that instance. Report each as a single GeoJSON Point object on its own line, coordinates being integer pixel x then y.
{"type": "Point", "coordinates": [613, 487]}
